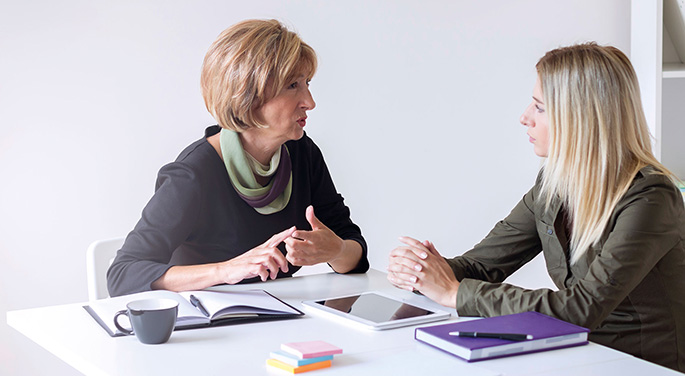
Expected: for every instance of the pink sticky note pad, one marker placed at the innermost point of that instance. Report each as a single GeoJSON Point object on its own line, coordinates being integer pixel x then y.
{"type": "Point", "coordinates": [311, 349]}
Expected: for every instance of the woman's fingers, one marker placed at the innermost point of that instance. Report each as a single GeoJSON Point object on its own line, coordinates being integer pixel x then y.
{"type": "Point", "coordinates": [431, 247]}
{"type": "Point", "coordinates": [275, 259]}
{"type": "Point", "coordinates": [404, 268]}
{"type": "Point", "coordinates": [272, 266]}
{"type": "Point", "coordinates": [416, 246]}
{"type": "Point", "coordinates": [403, 265]}
{"type": "Point", "coordinates": [275, 240]}
{"type": "Point", "coordinates": [408, 257]}
{"type": "Point", "coordinates": [400, 280]}
{"type": "Point", "coordinates": [262, 272]}
{"type": "Point", "coordinates": [409, 252]}
{"type": "Point", "coordinates": [280, 261]}
{"type": "Point", "coordinates": [270, 259]}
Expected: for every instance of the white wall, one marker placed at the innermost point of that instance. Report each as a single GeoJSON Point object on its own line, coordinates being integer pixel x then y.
{"type": "Point", "coordinates": [418, 107]}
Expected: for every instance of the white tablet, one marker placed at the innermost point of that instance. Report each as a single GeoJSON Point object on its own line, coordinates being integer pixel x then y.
{"type": "Point", "coordinates": [377, 311]}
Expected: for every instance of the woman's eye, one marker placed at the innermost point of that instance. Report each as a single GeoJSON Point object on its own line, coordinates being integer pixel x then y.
{"type": "Point", "coordinates": [539, 109]}
{"type": "Point", "coordinates": [293, 85]}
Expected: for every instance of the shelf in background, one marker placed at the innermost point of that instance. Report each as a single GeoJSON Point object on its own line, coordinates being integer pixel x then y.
{"type": "Point", "coordinates": [674, 70]}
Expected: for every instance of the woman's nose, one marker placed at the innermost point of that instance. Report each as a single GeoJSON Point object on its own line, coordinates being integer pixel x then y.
{"type": "Point", "coordinates": [308, 101]}
{"type": "Point", "coordinates": [525, 118]}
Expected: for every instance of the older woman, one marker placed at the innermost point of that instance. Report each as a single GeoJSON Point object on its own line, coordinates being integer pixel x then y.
{"type": "Point", "coordinates": [603, 211]}
{"type": "Point", "coordinates": [253, 199]}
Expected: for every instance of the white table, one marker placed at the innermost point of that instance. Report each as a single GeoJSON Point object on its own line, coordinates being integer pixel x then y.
{"type": "Point", "coordinates": [71, 334]}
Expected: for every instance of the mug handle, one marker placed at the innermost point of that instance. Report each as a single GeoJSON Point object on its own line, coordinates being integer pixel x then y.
{"type": "Point", "coordinates": [116, 322]}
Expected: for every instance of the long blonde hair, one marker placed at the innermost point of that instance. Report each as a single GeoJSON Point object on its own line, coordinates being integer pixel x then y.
{"type": "Point", "coordinates": [598, 136]}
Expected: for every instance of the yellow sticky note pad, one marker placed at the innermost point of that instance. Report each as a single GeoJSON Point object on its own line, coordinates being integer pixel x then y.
{"type": "Point", "coordinates": [300, 369]}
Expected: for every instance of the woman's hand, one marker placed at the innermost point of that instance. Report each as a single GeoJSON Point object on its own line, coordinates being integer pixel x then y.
{"type": "Point", "coordinates": [321, 244]}
{"type": "Point", "coordinates": [419, 266]}
{"type": "Point", "coordinates": [263, 261]}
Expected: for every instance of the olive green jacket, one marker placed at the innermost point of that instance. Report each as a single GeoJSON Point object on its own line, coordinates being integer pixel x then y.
{"type": "Point", "coordinates": [629, 289]}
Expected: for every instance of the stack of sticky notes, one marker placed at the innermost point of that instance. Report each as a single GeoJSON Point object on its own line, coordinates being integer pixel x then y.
{"type": "Point", "coordinates": [298, 357]}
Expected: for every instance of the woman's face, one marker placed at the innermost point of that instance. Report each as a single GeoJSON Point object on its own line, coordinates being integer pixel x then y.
{"type": "Point", "coordinates": [286, 113]}
{"type": "Point", "coordinates": [535, 118]}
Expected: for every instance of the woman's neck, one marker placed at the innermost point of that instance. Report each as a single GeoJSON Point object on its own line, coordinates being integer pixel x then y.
{"type": "Point", "coordinates": [259, 147]}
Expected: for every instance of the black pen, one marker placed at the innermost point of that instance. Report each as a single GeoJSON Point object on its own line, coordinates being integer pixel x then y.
{"type": "Point", "coordinates": [509, 336]}
{"type": "Point", "coordinates": [196, 302]}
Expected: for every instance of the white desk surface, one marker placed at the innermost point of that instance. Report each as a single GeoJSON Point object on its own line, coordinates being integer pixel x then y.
{"type": "Point", "coordinates": [71, 334]}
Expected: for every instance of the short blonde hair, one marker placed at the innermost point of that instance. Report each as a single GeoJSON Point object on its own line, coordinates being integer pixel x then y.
{"type": "Point", "coordinates": [598, 135]}
{"type": "Point", "coordinates": [247, 65]}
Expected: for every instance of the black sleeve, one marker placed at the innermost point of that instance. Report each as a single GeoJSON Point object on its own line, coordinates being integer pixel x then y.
{"type": "Point", "coordinates": [330, 208]}
{"type": "Point", "coordinates": [166, 222]}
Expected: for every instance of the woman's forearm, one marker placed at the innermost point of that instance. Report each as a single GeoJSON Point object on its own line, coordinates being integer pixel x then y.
{"type": "Point", "coordinates": [188, 277]}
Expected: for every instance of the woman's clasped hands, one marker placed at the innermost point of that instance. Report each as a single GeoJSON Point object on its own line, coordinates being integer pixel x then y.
{"type": "Point", "coordinates": [418, 266]}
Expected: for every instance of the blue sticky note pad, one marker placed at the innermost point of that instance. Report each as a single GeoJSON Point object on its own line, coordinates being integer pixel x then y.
{"type": "Point", "coordinates": [293, 360]}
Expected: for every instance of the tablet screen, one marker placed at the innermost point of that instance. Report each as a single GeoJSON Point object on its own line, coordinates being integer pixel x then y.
{"type": "Point", "coordinates": [374, 307]}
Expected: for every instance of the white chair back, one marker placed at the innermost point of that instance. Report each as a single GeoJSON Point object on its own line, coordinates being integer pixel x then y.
{"type": "Point", "coordinates": [99, 257]}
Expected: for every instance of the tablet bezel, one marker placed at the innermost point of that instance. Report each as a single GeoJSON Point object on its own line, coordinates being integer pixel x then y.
{"type": "Point", "coordinates": [435, 315]}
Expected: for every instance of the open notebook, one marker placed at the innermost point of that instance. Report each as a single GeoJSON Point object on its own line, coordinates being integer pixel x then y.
{"type": "Point", "coordinates": [223, 308]}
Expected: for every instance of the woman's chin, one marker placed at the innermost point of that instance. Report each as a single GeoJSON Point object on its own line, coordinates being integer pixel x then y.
{"type": "Point", "coordinates": [297, 134]}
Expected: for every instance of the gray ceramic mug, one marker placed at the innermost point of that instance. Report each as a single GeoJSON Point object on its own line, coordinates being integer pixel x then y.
{"type": "Point", "coordinates": [152, 320]}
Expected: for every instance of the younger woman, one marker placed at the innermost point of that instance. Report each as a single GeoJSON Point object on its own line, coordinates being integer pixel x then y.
{"type": "Point", "coordinates": [603, 211]}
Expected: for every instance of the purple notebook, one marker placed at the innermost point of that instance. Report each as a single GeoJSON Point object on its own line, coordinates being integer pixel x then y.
{"type": "Point", "coordinates": [548, 333]}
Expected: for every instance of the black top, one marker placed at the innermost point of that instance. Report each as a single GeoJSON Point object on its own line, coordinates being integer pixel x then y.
{"type": "Point", "coordinates": [196, 216]}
